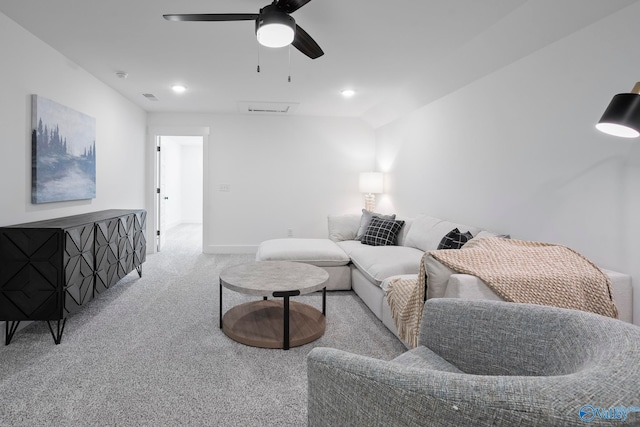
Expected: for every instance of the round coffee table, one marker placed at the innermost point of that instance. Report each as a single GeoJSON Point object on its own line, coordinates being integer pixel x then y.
{"type": "Point", "coordinates": [274, 323]}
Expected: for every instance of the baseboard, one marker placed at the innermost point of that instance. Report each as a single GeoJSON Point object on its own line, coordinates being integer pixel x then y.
{"type": "Point", "coordinates": [232, 249]}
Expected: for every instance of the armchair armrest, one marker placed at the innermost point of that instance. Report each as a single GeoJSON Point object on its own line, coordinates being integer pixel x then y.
{"type": "Point", "coordinates": [348, 389]}
{"type": "Point", "coordinates": [524, 337]}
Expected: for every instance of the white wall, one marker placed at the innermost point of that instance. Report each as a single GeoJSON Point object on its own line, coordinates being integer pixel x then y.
{"type": "Point", "coordinates": [191, 184]}
{"type": "Point", "coordinates": [120, 129]}
{"type": "Point", "coordinates": [283, 172]}
{"type": "Point", "coordinates": [32, 67]}
{"type": "Point", "coordinates": [517, 151]}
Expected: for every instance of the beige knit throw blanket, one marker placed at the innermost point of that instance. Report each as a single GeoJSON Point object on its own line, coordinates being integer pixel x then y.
{"type": "Point", "coordinates": [406, 298]}
{"type": "Point", "coordinates": [517, 271]}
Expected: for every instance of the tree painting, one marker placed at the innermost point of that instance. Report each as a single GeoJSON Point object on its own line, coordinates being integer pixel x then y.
{"type": "Point", "coordinates": [63, 153]}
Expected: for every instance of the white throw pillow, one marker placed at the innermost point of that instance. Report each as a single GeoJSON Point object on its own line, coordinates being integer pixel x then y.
{"type": "Point", "coordinates": [343, 227]}
{"type": "Point", "coordinates": [485, 233]}
{"type": "Point", "coordinates": [426, 232]}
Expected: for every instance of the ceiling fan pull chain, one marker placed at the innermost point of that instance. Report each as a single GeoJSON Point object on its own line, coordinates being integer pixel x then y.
{"type": "Point", "coordinates": [289, 79]}
{"type": "Point", "coordinates": [258, 69]}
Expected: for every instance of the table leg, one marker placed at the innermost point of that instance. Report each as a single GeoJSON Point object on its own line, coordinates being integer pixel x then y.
{"type": "Point", "coordinates": [220, 304]}
{"type": "Point", "coordinates": [324, 301]}
{"type": "Point", "coordinates": [285, 333]}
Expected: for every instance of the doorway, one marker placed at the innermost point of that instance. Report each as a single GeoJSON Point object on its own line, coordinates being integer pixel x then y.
{"type": "Point", "coordinates": [179, 192]}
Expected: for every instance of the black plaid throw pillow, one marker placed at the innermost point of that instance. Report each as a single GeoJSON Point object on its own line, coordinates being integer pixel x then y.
{"type": "Point", "coordinates": [454, 239]}
{"type": "Point", "coordinates": [382, 232]}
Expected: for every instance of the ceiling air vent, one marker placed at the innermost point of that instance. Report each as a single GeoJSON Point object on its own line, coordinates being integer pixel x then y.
{"type": "Point", "coordinates": [150, 96]}
{"type": "Point", "coordinates": [261, 107]}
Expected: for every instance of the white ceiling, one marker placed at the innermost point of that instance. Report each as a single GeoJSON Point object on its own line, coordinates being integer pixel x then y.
{"type": "Point", "coordinates": [397, 55]}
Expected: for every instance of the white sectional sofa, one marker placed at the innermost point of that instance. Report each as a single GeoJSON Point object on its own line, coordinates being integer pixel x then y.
{"type": "Point", "coordinates": [369, 269]}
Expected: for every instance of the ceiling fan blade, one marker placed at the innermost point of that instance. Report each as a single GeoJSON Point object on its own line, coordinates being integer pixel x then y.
{"type": "Point", "coordinates": [305, 44]}
{"type": "Point", "coordinates": [290, 6]}
{"type": "Point", "coordinates": [212, 17]}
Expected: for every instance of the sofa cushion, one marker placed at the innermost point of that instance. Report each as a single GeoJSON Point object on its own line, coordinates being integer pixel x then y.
{"type": "Point", "coordinates": [405, 229]}
{"type": "Point", "coordinates": [318, 252]}
{"type": "Point", "coordinates": [426, 232]}
{"type": "Point", "coordinates": [377, 263]}
{"type": "Point", "coordinates": [382, 232]}
{"type": "Point", "coordinates": [484, 233]}
{"type": "Point", "coordinates": [438, 276]}
{"type": "Point", "coordinates": [343, 227]}
{"type": "Point", "coordinates": [385, 283]}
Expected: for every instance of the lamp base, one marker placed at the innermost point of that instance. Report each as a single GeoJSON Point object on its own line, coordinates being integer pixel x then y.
{"type": "Point", "coordinates": [370, 202]}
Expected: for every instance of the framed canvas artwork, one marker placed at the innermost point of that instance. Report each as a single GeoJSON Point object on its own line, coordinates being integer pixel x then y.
{"type": "Point", "coordinates": [63, 153]}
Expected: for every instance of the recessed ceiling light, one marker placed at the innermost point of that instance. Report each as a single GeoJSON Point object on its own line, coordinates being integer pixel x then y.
{"type": "Point", "coordinates": [179, 88]}
{"type": "Point", "coordinates": [348, 93]}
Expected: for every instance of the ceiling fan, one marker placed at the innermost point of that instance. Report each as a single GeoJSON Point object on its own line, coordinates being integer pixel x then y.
{"type": "Point", "coordinates": [274, 25]}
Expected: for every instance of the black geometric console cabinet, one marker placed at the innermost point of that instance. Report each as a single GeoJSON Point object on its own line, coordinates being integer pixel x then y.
{"type": "Point", "coordinates": [49, 269]}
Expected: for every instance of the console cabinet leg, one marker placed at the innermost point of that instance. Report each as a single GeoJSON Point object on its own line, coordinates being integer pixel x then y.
{"type": "Point", "coordinates": [10, 330]}
{"type": "Point", "coordinates": [57, 335]}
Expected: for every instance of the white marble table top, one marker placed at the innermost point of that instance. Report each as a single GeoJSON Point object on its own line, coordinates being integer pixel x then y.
{"type": "Point", "coordinates": [266, 277]}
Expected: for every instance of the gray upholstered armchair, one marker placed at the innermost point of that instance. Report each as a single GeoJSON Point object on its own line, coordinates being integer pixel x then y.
{"type": "Point", "coordinates": [486, 363]}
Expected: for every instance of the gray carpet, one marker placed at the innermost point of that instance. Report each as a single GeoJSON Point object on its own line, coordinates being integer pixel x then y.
{"type": "Point", "coordinates": [149, 352]}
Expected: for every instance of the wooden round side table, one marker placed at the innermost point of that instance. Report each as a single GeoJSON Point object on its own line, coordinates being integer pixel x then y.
{"type": "Point", "coordinates": [274, 323]}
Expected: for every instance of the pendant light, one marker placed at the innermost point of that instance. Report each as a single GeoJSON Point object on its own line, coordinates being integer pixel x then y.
{"type": "Point", "coordinates": [622, 116]}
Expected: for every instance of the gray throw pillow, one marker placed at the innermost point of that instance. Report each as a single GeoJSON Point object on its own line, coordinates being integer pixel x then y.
{"type": "Point", "coordinates": [366, 219]}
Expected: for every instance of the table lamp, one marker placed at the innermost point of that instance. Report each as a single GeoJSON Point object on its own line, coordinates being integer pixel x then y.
{"type": "Point", "coordinates": [370, 184]}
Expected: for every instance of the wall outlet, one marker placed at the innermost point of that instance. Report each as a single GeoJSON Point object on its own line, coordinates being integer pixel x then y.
{"type": "Point", "coordinates": [289, 232]}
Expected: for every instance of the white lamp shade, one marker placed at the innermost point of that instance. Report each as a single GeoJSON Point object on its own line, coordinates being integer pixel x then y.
{"type": "Point", "coordinates": [371, 182]}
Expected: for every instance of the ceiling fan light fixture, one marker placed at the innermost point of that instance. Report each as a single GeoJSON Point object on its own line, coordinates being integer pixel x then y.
{"type": "Point", "coordinates": [275, 28]}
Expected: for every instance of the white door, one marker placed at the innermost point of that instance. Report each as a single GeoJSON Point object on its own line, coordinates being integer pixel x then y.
{"type": "Point", "coordinates": [161, 198]}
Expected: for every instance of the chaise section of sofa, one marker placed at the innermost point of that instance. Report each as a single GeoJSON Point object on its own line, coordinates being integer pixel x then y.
{"type": "Point", "coordinates": [322, 253]}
